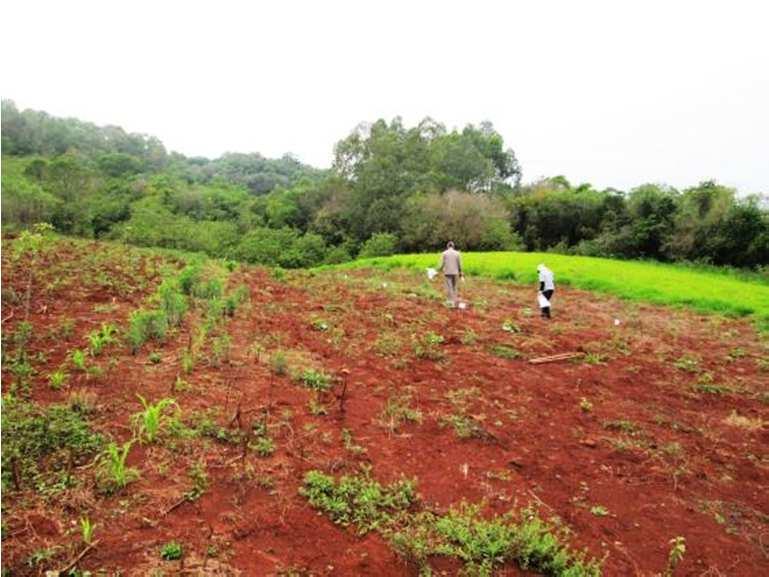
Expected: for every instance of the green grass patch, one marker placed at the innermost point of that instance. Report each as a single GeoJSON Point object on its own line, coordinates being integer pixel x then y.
{"type": "Point", "coordinates": [705, 289]}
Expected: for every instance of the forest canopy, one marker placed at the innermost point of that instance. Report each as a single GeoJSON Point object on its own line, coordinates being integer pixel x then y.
{"type": "Point", "coordinates": [391, 188]}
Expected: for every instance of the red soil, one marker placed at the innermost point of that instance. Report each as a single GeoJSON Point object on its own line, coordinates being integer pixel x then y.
{"type": "Point", "coordinates": [683, 469]}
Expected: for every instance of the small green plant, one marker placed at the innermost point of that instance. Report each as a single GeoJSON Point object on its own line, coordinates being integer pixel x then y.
{"type": "Point", "coordinates": [149, 421]}
{"type": "Point", "coordinates": [349, 443]}
{"type": "Point", "coordinates": [599, 511]}
{"type": "Point", "coordinates": [263, 445]}
{"type": "Point", "coordinates": [316, 380]}
{"type": "Point", "coordinates": [199, 477]}
{"type": "Point", "coordinates": [58, 379]}
{"type": "Point", "coordinates": [279, 363]}
{"type": "Point", "coordinates": [86, 530]}
{"type": "Point", "coordinates": [154, 357]}
{"type": "Point", "coordinates": [504, 352]}
{"type": "Point", "coordinates": [145, 325]}
{"type": "Point", "coordinates": [585, 405]}
{"type": "Point", "coordinates": [77, 357]}
{"type": "Point", "coordinates": [171, 551]}
{"type": "Point", "coordinates": [320, 325]}
{"type": "Point", "coordinates": [220, 349]}
{"type": "Point", "coordinates": [621, 425]}
{"type": "Point", "coordinates": [100, 338]}
{"type": "Point", "coordinates": [316, 408]}
{"type": "Point", "coordinates": [594, 358]}
{"type": "Point", "coordinates": [676, 554]}
{"type": "Point", "coordinates": [428, 346]}
{"type": "Point", "coordinates": [187, 362]}
{"type": "Point", "coordinates": [510, 327]}
{"type": "Point", "coordinates": [115, 473]}
{"type": "Point", "coordinates": [469, 337]}
{"type": "Point", "coordinates": [688, 363]}
{"type": "Point", "coordinates": [398, 410]}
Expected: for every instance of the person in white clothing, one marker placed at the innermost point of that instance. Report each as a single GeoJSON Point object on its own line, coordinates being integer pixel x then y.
{"type": "Point", "coordinates": [546, 289]}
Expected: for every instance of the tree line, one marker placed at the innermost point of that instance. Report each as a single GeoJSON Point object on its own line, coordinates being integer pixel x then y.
{"type": "Point", "coordinates": [391, 188]}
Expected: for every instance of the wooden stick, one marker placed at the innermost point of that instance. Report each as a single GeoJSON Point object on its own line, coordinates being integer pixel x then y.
{"type": "Point", "coordinates": [77, 559]}
{"type": "Point", "coordinates": [554, 358]}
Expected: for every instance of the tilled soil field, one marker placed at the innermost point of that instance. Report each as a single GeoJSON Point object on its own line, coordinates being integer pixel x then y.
{"type": "Point", "coordinates": [658, 429]}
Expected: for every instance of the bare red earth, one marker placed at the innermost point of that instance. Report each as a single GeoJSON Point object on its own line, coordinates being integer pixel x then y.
{"type": "Point", "coordinates": [630, 435]}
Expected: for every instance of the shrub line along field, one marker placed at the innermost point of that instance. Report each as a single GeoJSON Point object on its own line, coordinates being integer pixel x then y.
{"type": "Point", "coordinates": [166, 414]}
{"type": "Point", "coordinates": [703, 289]}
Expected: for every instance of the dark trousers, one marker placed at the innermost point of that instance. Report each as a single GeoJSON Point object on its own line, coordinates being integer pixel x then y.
{"type": "Point", "coordinates": [546, 310]}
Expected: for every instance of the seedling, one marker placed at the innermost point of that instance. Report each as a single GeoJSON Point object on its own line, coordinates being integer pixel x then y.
{"type": "Point", "coordinates": [113, 467]}
{"type": "Point", "coordinates": [585, 405]}
{"type": "Point", "coordinates": [171, 551]}
{"type": "Point", "coordinates": [150, 420]}
{"type": "Point", "coordinates": [78, 360]}
{"type": "Point", "coordinates": [58, 379]}
{"type": "Point", "coordinates": [676, 554]}
{"type": "Point", "coordinates": [197, 473]}
{"type": "Point", "coordinates": [155, 357]}
{"type": "Point", "coordinates": [86, 530]}
{"type": "Point", "coordinates": [599, 511]}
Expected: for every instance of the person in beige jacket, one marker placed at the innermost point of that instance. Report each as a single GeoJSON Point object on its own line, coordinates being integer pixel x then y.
{"type": "Point", "coordinates": [451, 265]}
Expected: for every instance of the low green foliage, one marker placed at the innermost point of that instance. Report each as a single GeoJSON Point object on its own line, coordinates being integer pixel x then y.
{"type": "Point", "coordinates": [504, 352]}
{"type": "Point", "coordinates": [146, 325]}
{"type": "Point", "coordinates": [39, 443]}
{"type": "Point", "coordinates": [100, 338]}
{"type": "Point", "coordinates": [171, 551]}
{"type": "Point", "coordinates": [398, 410]}
{"type": "Point", "coordinates": [315, 380]}
{"type": "Point", "coordinates": [481, 544]}
{"type": "Point", "coordinates": [199, 477]}
{"type": "Point", "coordinates": [357, 500]}
{"type": "Point", "coordinates": [427, 346]}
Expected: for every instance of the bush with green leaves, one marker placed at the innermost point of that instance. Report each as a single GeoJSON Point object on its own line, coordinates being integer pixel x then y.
{"type": "Point", "coordinates": [379, 244]}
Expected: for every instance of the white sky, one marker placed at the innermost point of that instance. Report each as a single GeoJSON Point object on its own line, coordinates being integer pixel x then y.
{"type": "Point", "coordinates": [616, 93]}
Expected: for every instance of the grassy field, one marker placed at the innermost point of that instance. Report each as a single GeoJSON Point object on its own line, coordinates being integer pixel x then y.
{"type": "Point", "coordinates": [706, 290]}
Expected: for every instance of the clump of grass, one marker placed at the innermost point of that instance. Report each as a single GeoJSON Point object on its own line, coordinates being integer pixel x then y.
{"type": "Point", "coordinates": [77, 358]}
{"type": "Point", "coordinates": [585, 405]}
{"type": "Point", "coordinates": [145, 325]}
{"type": "Point", "coordinates": [428, 346]}
{"type": "Point", "coordinates": [100, 338]}
{"type": "Point", "coordinates": [398, 410]}
{"type": "Point", "coordinates": [504, 352]}
{"type": "Point", "coordinates": [315, 380]}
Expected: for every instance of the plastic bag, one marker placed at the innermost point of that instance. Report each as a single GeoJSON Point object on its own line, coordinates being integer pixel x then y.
{"type": "Point", "coordinates": [542, 300]}
{"type": "Point", "coordinates": [431, 272]}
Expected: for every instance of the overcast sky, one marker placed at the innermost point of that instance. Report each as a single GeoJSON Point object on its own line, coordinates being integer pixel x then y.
{"type": "Point", "coordinates": [615, 93]}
